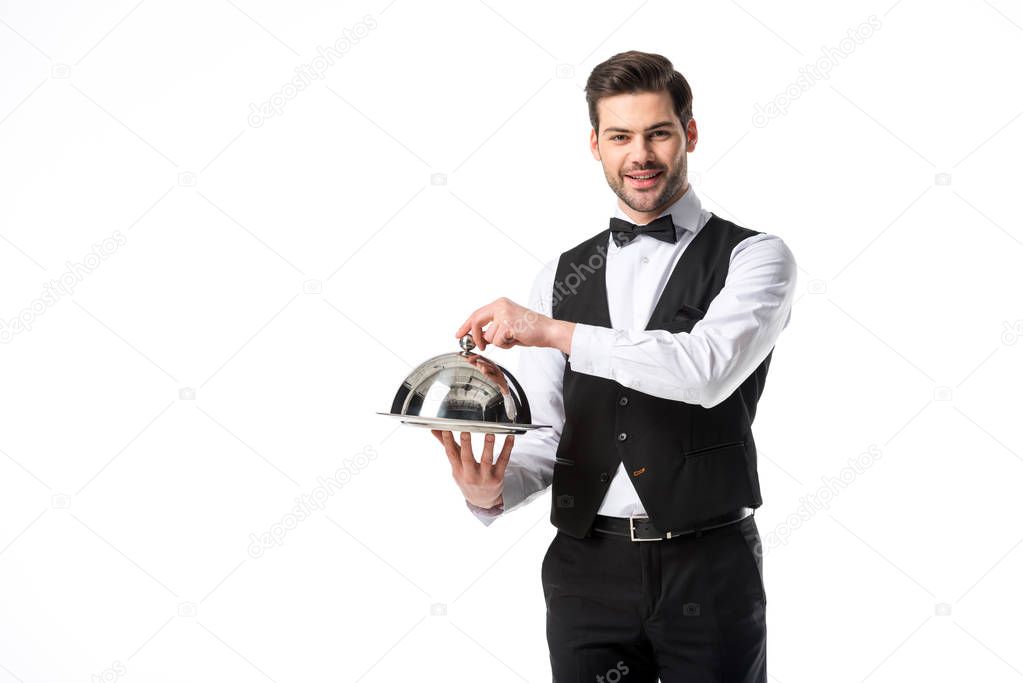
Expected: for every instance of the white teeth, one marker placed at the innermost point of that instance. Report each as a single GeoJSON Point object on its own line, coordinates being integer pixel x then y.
{"type": "Point", "coordinates": [643, 177]}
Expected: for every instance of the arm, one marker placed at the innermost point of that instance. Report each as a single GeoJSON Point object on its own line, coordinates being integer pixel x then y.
{"type": "Point", "coordinates": [540, 370]}
{"type": "Point", "coordinates": [706, 365]}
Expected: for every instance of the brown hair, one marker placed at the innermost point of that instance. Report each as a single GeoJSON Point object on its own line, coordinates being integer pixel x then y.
{"type": "Point", "coordinates": [634, 72]}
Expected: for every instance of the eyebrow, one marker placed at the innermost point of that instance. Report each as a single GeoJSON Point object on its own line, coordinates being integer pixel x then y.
{"type": "Point", "coordinates": [626, 130]}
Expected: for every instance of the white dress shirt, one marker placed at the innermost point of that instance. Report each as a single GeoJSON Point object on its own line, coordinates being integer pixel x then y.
{"type": "Point", "coordinates": [704, 366]}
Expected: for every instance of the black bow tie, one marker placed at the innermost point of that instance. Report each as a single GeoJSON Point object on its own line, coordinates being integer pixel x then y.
{"type": "Point", "coordinates": [624, 232]}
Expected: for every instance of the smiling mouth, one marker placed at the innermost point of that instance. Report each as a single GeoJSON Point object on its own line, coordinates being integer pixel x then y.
{"type": "Point", "coordinates": [644, 179]}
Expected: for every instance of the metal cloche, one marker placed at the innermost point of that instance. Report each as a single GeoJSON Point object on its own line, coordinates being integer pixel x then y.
{"type": "Point", "coordinates": [464, 392]}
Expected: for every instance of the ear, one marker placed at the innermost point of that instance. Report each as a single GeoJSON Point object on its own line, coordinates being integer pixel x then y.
{"type": "Point", "coordinates": [692, 135]}
{"type": "Point", "coordinates": [594, 148]}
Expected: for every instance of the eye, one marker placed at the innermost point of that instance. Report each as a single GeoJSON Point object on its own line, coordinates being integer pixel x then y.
{"type": "Point", "coordinates": [659, 132]}
{"type": "Point", "coordinates": [615, 137]}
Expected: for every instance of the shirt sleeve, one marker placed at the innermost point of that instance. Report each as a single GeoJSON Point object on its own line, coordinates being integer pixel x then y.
{"type": "Point", "coordinates": [703, 366]}
{"type": "Point", "coordinates": [540, 371]}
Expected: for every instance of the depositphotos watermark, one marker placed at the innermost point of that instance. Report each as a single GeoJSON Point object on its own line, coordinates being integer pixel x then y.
{"type": "Point", "coordinates": [311, 502]}
{"type": "Point", "coordinates": [580, 273]}
{"type": "Point", "coordinates": [110, 674]}
{"type": "Point", "coordinates": [313, 71]}
{"type": "Point", "coordinates": [819, 70]}
{"type": "Point", "coordinates": [614, 674]}
{"type": "Point", "coordinates": [562, 289]}
{"type": "Point", "coordinates": [62, 286]}
{"type": "Point", "coordinates": [820, 499]}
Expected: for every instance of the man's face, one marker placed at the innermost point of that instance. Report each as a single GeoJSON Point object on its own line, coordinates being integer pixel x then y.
{"type": "Point", "coordinates": [640, 135]}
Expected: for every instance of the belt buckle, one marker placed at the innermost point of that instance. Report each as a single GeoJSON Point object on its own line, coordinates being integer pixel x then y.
{"type": "Point", "coordinates": [632, 530]}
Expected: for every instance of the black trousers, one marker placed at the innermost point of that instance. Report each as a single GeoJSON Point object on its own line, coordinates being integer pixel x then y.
{"type": "Point", "coordinates": [684, 610]}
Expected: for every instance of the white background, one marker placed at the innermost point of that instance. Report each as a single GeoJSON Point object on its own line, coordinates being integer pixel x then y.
{"type": "Point", "coordinates": [127, 505]}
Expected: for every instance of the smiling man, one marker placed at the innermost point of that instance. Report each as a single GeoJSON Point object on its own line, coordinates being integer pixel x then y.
{"type": "Point", "coordinates": [646, 346]}
{"type": "Point", "coordinates": [653, 179]}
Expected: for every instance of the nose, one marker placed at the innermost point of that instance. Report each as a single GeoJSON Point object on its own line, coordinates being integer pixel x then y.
{"type": "Point", "coordinates": [641, 150]}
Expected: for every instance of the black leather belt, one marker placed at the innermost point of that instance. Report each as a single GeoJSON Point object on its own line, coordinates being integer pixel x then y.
{"type": "Point", "coordinates": [640, 529]}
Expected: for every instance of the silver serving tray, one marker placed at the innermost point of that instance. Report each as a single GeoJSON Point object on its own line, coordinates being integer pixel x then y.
{"type": "Point", "coordinates": [453, 425]}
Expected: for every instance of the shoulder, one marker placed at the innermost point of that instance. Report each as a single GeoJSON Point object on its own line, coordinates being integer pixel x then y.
{"type": "Point", "coordinates": [765, 258]}
{"type": "Point", "coordinates": [748, 244]}
{"type": "Point", "coordinates": [724, 230]}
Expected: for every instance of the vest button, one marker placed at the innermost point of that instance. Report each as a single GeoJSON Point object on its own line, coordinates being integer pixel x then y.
{"type": "Point", "coordinates": [622, 436]}
{"type": "Point", "coordinates": [624, 400]}
{"type": "Point", "coordinates": [604, 477]}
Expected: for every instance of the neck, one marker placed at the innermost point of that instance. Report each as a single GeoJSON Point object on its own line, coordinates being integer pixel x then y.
{"type": "Point", "coordinates": [644, 217]}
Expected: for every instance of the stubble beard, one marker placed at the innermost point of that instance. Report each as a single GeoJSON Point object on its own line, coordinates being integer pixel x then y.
{"type": "Point", "coordinates": [646, 202]}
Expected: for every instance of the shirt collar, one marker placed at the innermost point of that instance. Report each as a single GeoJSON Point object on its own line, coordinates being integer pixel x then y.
{"type": "Point", "coordinates": [685, 212]}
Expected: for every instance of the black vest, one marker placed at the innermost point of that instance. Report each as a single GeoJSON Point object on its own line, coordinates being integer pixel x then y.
{"type": "Point", "coordinates": [688, 463]}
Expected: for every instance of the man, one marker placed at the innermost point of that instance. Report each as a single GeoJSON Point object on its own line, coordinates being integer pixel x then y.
{"type": "Point", "coordinates": [646, 347]}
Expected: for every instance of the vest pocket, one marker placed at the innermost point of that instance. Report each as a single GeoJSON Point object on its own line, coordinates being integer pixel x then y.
{"type": "Point", "coordinates": [715, 447]}
{"type": "Point", "coordinates": [683, 320]}
{"type": "Point", "coordinates": [676, 326]}
{"type": "Point", "coordinates": [715, 479]}
{"type": "Point", "coordinates": [691, 312]}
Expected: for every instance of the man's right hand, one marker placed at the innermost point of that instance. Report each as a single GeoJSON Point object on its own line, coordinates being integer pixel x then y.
{"type": "Point", "coordinates": [482, 483]}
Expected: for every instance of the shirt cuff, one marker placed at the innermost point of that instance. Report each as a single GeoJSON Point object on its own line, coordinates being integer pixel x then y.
{"type": "Point", "coordinates": [512, 495]}
{"type": "Point", "coordinates": [486, 515]}
{"type": "Point", "coordinates": [590, 352]}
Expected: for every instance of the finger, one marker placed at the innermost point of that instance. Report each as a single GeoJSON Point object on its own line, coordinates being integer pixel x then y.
{"type": "Point", "coordinates": [502, 460]}
{"type": "Point", "coordinates": [517, 330]}
{"type": "Point", "coordinates": [477, 331]}
{"type": "Point", "coordinates": [487, 459]}
{"type": "Point", "coordinates": [464, 328]}
{"type": "Point", "coordinates": [449, 448]}
{"type": "Point", "coordinates": [491, 334]}
{"type": "Point", "coordinates": [468, 461]}
{"type": "Point", "coordinates": [504, 336]}
{"type": "Point", "coordinates": [480, 319]}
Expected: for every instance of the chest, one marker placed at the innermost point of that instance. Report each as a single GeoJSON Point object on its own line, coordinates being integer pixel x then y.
{"type": "Point", "coordinates": [635, 279]}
